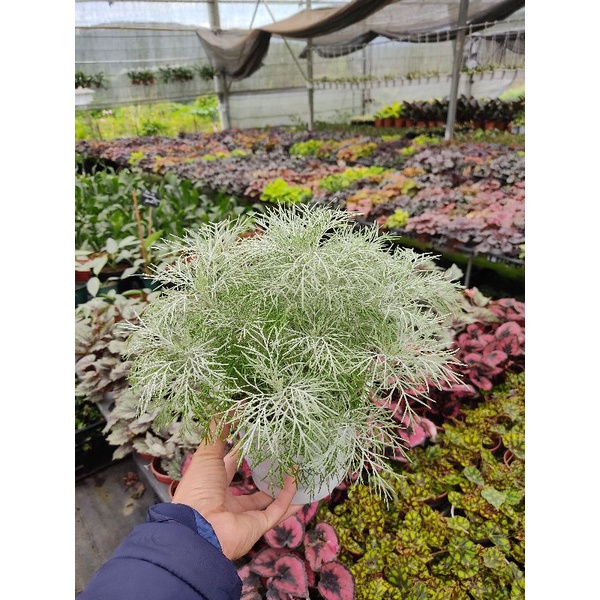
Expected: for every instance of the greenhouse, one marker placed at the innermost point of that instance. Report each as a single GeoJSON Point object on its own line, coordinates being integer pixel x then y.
{"type": "Point", "coordinates": [300, 299]}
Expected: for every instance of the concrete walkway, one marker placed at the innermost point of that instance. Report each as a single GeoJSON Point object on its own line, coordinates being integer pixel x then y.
{"type": "Point", "coordinates": [106, 510]}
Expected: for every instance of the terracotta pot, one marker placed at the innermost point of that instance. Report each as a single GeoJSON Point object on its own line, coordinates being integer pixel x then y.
{"type": "Point", "coordinates": [145, 457]}
{"type": "Point", "coordinates": [82, 276]}
{"type": "Point", "coordinates": [158, 472]}
{"type": "Point", "coordinates": [399, 122]}
{"type": "Point", "coordinates": [432, 124]}
{"type": "Point", "coordinates": [508, 458]}
{"type": "Point", "coordinates": [378, 122]}
{"type": "Point", "coordinates": [421, 124]}
{"type": "Point", "coordinates": [477, 125]}
{"type": "Point", "coordinates": [409, 123]}
{"type": "Point", "coordinates": [388, 122]}
{"type": "Point", "coordinates": [172, 488]}
{"type": "Point", "coordinates": [437, 501]}
{"type": "Point", "coordinates": [490, 125]}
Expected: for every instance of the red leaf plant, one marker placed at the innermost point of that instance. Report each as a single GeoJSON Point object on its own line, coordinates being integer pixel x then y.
{"type": "Point", "coordinates": [283, 572]}
{"type": "Point", "coordinates": [321, 545]}
{"type": "Point", "coordinates": [288, 533]}
{"type": "Point", "coordinates": [289, 578]}
{"type": "Point", "coordinates": [336, 582]}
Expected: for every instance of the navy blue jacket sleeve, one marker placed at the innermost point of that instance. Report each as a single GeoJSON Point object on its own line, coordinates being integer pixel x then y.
{"type": "Point", "coordinates": [167, 558]}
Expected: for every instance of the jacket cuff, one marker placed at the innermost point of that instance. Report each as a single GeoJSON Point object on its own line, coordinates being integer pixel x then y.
{"type": "Point", "coordinates": [186, 515]}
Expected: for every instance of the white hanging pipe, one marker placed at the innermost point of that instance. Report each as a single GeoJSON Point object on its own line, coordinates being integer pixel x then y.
{"type": "Point", "coordinates": [219, 79]}
{"type": "Point", "coordinates": [459, 44]}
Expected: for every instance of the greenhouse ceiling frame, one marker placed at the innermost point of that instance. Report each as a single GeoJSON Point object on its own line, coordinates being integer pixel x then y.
{"type": "Point", "coordinates": [323, 24]}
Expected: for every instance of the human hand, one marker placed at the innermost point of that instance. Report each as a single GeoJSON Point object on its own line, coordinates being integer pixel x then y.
{"type": "Point", "coordinates": [238, 521]}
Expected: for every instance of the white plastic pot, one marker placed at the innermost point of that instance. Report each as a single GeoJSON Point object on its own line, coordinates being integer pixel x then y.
{"type": "Point", "coordinates": [303, 496]}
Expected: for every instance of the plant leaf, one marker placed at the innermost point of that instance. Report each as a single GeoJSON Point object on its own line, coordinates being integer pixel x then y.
{"type": "Point", "coordinates": [473, 475]}
{"type": "Point", "coordinates": [321, 545]}
{"type": "Point", "coordinates": [93, 286]}
{"type": "Point", "coordinates": [336, 582]}
{"type": "Point", "coordinates": [111, 246]}
{"type": "Point", "coordinates": [290, 576]}
{"type": "Point", "coordinates": [263, 563]}
{"type": "Point", "coordinates": [493, 496]}
{"type": "Point", "coordinates": [288, 533]}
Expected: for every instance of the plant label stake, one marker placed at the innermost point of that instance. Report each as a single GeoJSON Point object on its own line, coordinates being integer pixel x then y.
{"type": "Point", "coordinates": [138, 220]}
{"type": "Point", "coordinates": [150, 198]}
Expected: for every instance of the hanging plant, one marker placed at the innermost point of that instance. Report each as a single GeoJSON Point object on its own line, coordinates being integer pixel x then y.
{"type": "Point", "coordinates": [142, 77]}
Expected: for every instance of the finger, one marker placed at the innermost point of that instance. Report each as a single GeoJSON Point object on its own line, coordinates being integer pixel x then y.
{"type": "Point", "coordinates": [277, 510]}
{"type": "Point", "coordinates": [214, 444]}
{"type": "Point", "coordinates": [255, 501]}
{"type": "Point", "coordinates": [231, 463]}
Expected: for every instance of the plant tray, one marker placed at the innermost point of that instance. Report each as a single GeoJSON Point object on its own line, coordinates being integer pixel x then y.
{"type": "Point", "coordinates": [92, 452]}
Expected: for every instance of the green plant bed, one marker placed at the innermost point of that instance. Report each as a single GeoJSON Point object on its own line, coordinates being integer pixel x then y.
{"type": "Point", "coordinates": [456, 528]}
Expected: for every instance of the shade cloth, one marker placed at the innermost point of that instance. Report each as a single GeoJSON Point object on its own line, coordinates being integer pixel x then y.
{"type": "Point", "coordinates": [344, 29]}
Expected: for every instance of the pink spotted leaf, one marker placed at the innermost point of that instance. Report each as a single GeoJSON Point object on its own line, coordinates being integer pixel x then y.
{"type": "Point", "coordinates": [321, 545]}
{"type": "Point", "coordinates": [288, 533]}
{"type": "Point", "coordinates": [250, 580]}
{"type": "Point", "coordinates": [493, 358]}
{"type": "Point", "coordinates": [263, 563]}
{"type": "Point", "coordinates": [290, 576]}
{"type": "Point", "coordinates": [307, 512]}
{"type": "Point", "coordinates": [336, 582]}
{"type": "Point", "coordinates": [479, 380]}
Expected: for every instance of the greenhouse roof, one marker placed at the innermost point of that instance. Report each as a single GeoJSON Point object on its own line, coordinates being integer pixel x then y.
{"type": "Point", "coordinates": [334, 29]}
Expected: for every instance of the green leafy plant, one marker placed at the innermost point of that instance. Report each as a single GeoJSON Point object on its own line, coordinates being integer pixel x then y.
{"type": "Point", "coordinates": [289, 335]}
{"type": "Point", "coordinates": [206, 72]}
{"type": "Point", "coordinates": [334, 183]}
{"type": "Point", "coordinates": [83, 80]}
{"type": "Point", "coordinates": [397, 220]}
{"type": "Point", "coordinates": [280, 191]}
{"type": "Point", "coordinates": [142, 77]}
{"type": "Point", "coordinates": [456, 529]}
{"type": "Point", "coordinates": [169, 74]}
{"type": "Point", "coordinates": [308, 148]}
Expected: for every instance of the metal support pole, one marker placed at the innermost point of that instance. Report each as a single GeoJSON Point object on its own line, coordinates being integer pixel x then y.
{"type": "Point", "coordinates": [219, 79]}
{"type": "Point", "coordinates": [309, 78]}
{"type": "Point", "coordinates": [363, 99]}
{"type": "Point", "coordinates": [459, 44]}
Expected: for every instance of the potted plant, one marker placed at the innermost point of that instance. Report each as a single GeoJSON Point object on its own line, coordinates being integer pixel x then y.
{"type": "Point", "coordinates": [288, 337]}
{"type": "Point", "coordinates": [143, 77]}
{"type": "Point", "coordinates": [117, 260]}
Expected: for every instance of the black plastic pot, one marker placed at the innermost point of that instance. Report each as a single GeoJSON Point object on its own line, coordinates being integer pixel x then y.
{"type": "Point", "coordinates": [92, 452]}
